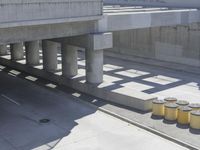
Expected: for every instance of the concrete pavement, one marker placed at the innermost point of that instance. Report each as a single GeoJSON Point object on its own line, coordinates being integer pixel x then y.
{"type": "Point", "coordinates": [73, 125]}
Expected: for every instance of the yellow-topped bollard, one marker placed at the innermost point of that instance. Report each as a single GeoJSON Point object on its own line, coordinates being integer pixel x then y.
{"type": "Point", "coordinates": [195, 106]}
{"type": "Point", "coordinates": [195, 119]}
{"type": "Point", "coordinates": [170, 100]}
{"type": "Point", "coordinates": [182, 103]}
{"type": "Point", "coordinates": [184, 115]}
{"type": "Point", "coordinates": [158, 108]}
{"type": "Point", "coordinates": [171, 111]}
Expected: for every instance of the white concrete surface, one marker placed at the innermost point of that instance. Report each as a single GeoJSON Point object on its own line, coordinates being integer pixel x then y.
{"type": "Point", "coordinates": [157, 81]}
{"type": "Point", "coordinates": [73, 125]}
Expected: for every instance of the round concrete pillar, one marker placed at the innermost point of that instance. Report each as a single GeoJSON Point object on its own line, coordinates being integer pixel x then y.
{"type": "Point", "coordinates": [3, 50]}
{"type": "Point", "coordinates": [69, 60]}
{"type": "Point", "coordinates": [49, 50]}
{"type": "Point", "coordinates": [17, 51]}
{"type": "Point", "coordinates": [94, 66]}
{"type": "Point", "coordinates": [32, 53]}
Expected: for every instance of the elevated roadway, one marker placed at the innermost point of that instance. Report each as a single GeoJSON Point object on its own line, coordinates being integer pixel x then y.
{"type": "Point", "coordinates": [117, 18]}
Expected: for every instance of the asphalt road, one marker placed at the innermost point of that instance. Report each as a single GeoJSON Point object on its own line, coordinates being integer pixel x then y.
{"type": "Point", "coordinates": [73, 125]}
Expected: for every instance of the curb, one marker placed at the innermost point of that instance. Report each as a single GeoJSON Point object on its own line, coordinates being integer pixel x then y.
{"type": "Point", "coordinates": [156, 132]}
{"type": "Point", "coordinates": [149, 129]}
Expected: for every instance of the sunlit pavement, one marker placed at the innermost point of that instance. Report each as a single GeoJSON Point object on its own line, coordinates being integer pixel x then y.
{"type": "Point", "coordinates": [73, 125]}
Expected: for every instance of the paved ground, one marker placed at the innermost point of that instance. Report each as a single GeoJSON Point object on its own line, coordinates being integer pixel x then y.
{"type": "Point", "coordinates": [73, 125]}
{"type": "Point", "coordinates": [154, 80]}
{"type": "Point", "coordinates": [157, 81]}
{"type": "Point", "coordinates": [149, 79]}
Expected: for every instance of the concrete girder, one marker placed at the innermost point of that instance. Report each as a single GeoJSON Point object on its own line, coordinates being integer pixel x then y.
{"type": "Point", "coordinates": [96, 41]}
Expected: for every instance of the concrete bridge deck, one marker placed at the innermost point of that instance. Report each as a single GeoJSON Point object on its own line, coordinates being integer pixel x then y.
{"type": "Point", "coordinates": [118, 18]}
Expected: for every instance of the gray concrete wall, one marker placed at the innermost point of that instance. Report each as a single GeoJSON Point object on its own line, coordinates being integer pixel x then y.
{"type": "Point", "coordinates": [29, 20]}
{"type": "Point", "coordinates": [48, 31]}
{"type": "Point", "coordinates": [180, 44]}
{"type": "Point", "coordinates": [19, 12]}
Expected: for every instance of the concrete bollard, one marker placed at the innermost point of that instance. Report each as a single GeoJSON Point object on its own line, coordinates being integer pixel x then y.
{"type": "Point", "coordinates": [158, 108]}
{"type": "Point", "coordinates": [171, 111]}
{"type": "Point", "coordinates": [184, 115]}
{"type": "Point", "coordinates": [195, 119]}
{"type": "Point", "coordinates": [170, 100]}
{"type": "Point", "coordinates": [182, 103]}
{"type": "Point", "coordinates": [195, 106]}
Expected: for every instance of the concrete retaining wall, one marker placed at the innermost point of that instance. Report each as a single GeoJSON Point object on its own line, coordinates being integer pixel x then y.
{"type": "Point", "coordinates": [179, 44]}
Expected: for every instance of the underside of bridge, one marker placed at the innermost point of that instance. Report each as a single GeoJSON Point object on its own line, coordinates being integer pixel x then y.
{"type": "Point", "coordinates": [29, 30]}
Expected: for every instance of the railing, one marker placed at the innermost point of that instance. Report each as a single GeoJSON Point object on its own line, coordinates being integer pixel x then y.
{"type": "Point", "coordinates": [158, 3]}
{"type": "Point", "coordinates": [36, 10]}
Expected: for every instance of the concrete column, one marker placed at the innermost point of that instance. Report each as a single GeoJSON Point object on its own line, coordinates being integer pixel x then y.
{"type": "Point", "coordinates": [49, 50]}
{"type": "Point", "coordinates": [17, 51]}
{"type": "Point", "coordinates": [32, 53]}
{"type": "Point", "coordinates": [3, 50]}
{"type": "Point", "coordinates": [69, 60]}
{"type": "Point", "coordinates": [94, 66]}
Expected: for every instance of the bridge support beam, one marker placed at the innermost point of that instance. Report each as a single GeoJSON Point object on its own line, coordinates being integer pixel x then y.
{"type": "Point", "coordinates": [69, 60]}
{"type": "Point", "coordinates": [32, 53]}
{"type": "Point", "coordinates": [49, 50]}
{"type": "Point", "coordinates": [94, 45]}
{"type": "Point", "coordinates": [94, 66]}
{"type": "Point", "coordinates": [3, 50]}
{"type": "Point", "coordinates": [17, 51]}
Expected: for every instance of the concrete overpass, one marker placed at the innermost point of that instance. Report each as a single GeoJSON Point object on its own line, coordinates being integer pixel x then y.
{"type": "Point", "coordinates": [31, 21]}
{"type": "Point", "coordinates": [78, 24]}
{"type": "Point", "coordinates": [126, 18]}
